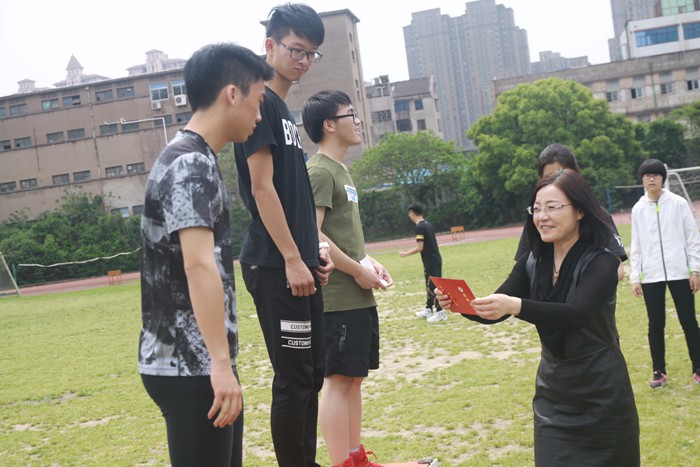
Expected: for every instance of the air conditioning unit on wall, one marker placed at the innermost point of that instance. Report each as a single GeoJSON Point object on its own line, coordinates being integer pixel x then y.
{"type": "Point", "coordinates": [156, 105]}
{"type": "Point", "coordinates": [181, 100]}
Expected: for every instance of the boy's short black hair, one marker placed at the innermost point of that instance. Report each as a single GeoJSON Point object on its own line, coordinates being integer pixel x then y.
{"type": "Point", "coordinates": [416, 209]}
{"type": "Point", "coordinates": [298, 18]}
{"type": "Point", "coordinates": [559, 154]}
{"type": "Point", "coordinates": [653, 166]}
{"type": "Point", "coordinates": [215, 66]}
{"type": "Point", "coordinates": [319, 107]}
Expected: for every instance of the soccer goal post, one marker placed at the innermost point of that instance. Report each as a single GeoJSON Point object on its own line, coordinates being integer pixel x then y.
{"type": "Point", "coordinates": [685, 182]}
{"type": "Point", "coordinates": [8, 286]}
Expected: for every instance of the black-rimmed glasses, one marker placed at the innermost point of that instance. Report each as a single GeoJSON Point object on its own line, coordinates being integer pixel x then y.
{"type": "Point", "coordinates": [301, 54]}
{"type": "Point", "coordinates": [354, 116]}
{"type": "Point", "coordinates": [551, 209]}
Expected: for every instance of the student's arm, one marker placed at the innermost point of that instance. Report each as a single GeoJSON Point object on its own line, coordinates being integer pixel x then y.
{"type": "Point", "coordinates": [416, 249]}
{"type": "Point", "coordinates": [365, 277]}
{"type": "Point", "coordinates": [207, 296]}
{"type": "Point", "coordinates": [269, 206]}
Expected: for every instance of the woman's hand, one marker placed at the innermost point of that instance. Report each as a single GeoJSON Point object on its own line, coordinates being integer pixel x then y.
{"type": "Point", "coordinates": [443, 299]}
{"type": "Point", "coordinates": [496, 306]}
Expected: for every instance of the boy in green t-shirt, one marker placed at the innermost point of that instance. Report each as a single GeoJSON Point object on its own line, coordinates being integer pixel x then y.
{"type": "Point", "coordinates": [351, 323]}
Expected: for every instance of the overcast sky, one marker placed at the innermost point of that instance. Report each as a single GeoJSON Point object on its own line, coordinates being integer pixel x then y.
{"type": "Point", "coordinates": [38, 37]}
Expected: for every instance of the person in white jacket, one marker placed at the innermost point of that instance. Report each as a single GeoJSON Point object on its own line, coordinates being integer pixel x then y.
{"type": "Point", "coordinates": [665, 252]}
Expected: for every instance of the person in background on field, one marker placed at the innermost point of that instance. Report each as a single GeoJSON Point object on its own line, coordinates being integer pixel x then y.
{"type": "Point", "coordinates": [427, 246]}
{"type": "Point", "coordinates": [665, 253]}
{"type": "Point", "coordinates": [189, 339]}
{"type": "Point", "coordinates": [280, 256]}
{"type": "Point", "coordinates": [584, 407]}
{"type": "Point", "coordinates": [351, 321]}
{"type": "Point", "coordinates": [556, 157]}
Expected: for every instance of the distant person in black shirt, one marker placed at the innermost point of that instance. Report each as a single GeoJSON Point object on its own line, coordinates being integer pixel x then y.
{"type": "Point", "coordinates": [426, 244]}
{"type": "Point", "coordinates": [557, 157]}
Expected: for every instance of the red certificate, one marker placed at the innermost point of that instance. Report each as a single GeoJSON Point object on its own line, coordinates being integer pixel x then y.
{"type": "Point", "coordinates": [459, 293]}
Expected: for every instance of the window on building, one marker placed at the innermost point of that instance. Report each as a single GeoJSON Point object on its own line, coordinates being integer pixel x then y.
{"type": "Point", "coordinates": [401, 106]}
{"type": "Point", "coordinates": [352, 53]}
{"type": "Point", "coordinates": [52, 138]}
{"type": "Point", "coordinates": [116, 171]}
{"type": "Point", "coordinates": [657, 36]}
{"type": "Point", "coordinates": [109, 129]}
{"type": "Point", "coordinates": [28, 184]}
{"type": "Point", "coordinates": [667, 88]}
{"type": "Point", "coordinates": [179, 87]}
{"type": "Point", "coordinates": [7, 187]}
{"type": "Point", "coordinates": [5, 145]}
{"type": "Point", "coordinates": [691, 30]}
{"type": "Point", "coordinates": [3, 112]}
{"type": "Point", "coordinates": [183, 117]}
{"type": "Point", "coordinates": [159, 91]}
{"type": "Point", "coordinates": [421, 124]}
{"type": "Point", "coordinates": [693, 84]}
{"type": "Point", "coordinates": [296, 115]}
{"type": "Point", "coordinates": [49, 104]}
{"type": "Point", "coordinates": [104, 96]}
{"type": "Point", "coordinates": [381, 116]}
{"type": "Point", "coordinates": [612, 96]}
{"type": "Point", "coordinates": [637, 93]}
{"type": "Point", "coordinates": [167, 119]}
{"type": "Point", "coordinates": [23, 142]}
{"type": "Point", "coordinates": [418, 104]}
{"type": "Point", "coordinates": [132, 126]}
{"type": "Point", "coordinates": [404, 125]}
{"type": "Point", "coordinates": [18, 109]}
{"type": "Point", "coordinates": [124, 212]}
{"type": "Point", "coordinates": [123, 93]}
{"type": "Point", "coordinates": [78, 133]}
{"type": "Point", "coordinates": [71, 101]}
{"type": "Point", "coordinates": [137, 210]}
{"type": "Point", "coordinates": [61, 179]}
{"type": "Point", "coordinates": [135, 168]}
{"type": "Point", "coordinates": [82, 175]}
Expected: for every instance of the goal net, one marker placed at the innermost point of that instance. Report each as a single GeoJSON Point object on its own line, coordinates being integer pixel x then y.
{"type": "Point", "coordinates": [8, 286]}
{"type": "Point", "coordinates": [685, 182]}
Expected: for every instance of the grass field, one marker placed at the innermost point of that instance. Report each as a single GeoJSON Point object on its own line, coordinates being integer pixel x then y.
{"type": "Point", "coordinates": [70, 393]}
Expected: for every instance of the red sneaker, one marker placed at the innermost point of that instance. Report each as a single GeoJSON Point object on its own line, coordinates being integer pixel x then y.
{"type": "Point", "coordinates": [360, 459]}
{"type": "Point", "coordinates": [346, 463]}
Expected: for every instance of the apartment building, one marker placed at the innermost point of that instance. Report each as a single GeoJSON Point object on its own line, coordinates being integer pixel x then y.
{"type": "Point", "coordinates": [403, 106]}
{"type": "Point", "coordinates": [102, 137]}
{"type": "Point", "coordinates": [643, 89]}
{"type": "Point", "coordinates": [464, 54]}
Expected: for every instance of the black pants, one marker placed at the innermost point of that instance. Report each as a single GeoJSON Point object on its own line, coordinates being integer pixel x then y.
{"type": "Point", "coordinates": [434, 270]}
{"type": "Point", "coordinates": [193, 439]}
{"type": "Point", "coordinates": [655, 299]}
{"type": "Point", "coordinates": [294, 335]}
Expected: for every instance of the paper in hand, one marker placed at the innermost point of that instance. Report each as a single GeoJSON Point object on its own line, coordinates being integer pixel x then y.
{"type": "Point", "coordinates": [458, 291]}
{"type": "Point", "coordinates": [366, 262]}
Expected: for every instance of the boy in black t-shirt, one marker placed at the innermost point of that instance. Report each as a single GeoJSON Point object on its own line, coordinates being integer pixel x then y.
{"type": "Point", "coordinates": [280, 252]}
{"type": "Point", "coordinates": [189, 336]}
{"type": "Point", "coordinates": [432, 262]}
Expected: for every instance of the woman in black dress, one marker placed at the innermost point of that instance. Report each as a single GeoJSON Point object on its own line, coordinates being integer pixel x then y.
{"type": "Point", "coordinates": [584, 407]}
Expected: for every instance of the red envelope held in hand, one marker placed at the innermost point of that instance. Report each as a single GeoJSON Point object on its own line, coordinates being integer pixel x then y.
{"type": "Point", "coordinates": [458, 291]}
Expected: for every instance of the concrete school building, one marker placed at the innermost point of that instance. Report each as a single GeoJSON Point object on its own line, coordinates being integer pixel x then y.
{"type": "Point", "coordinates": [99, 135]}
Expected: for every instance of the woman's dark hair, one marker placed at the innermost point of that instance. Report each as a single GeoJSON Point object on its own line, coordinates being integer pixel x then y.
{"type": "Point", "coordinates": [298, 18]}
{"type": "Point", "coordinates": [320, 107]}
{"type": "Point", "coordinates": [653, 166]}
{"type": "Point", "coordinates": [559, 154]}
{"type": "Point", "coordinates": [594, 227]}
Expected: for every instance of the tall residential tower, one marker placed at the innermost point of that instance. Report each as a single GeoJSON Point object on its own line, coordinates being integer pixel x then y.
{"type": "Point", "coordinates": [465, 54]}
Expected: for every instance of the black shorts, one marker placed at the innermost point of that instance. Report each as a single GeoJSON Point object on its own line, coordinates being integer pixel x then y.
{"type": "Point", "coordinates": [352, 342]}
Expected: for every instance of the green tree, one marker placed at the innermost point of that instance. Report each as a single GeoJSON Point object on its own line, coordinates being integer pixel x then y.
{"type": "Point", "coordinates": [664, 139]}
{"type": "Point", "coordinates": [689, 117]}
{"type": "Point", "coordinates": [533, 116]}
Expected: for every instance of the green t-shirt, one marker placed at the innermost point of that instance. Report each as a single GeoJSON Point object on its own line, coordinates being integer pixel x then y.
{"type": "Point", "coordinates": [334, 190]}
